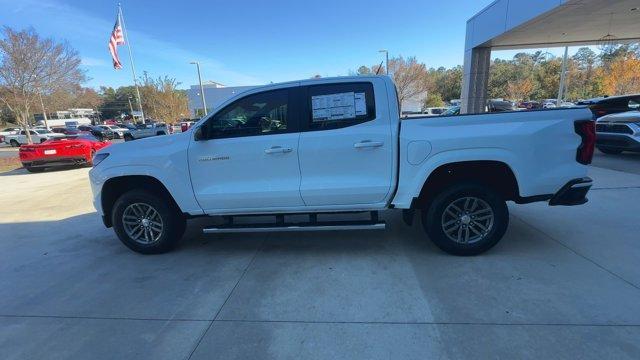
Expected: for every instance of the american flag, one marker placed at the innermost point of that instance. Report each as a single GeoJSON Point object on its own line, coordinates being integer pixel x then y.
{"type": "Point", "coordinates": [115, 40]}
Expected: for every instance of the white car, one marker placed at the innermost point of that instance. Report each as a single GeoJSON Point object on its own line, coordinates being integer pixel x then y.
{"type": "Point", "coordinates": [118, 132]}
{"type": "Point", "coordinates": [37, 136]}
{"type": "Point", "coordinates": [338, 146]}
{"type": "Point", "coordinates": [10, 131]}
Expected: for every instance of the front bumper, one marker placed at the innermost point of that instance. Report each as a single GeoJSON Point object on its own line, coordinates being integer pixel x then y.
{"type": "Point", "coordinates": [572, 193]}
{"type": "Point", "coordinates": [618, 141]}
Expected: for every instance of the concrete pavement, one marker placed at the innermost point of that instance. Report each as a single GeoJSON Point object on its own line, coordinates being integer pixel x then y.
{"type": "Point", "coordinates": [563, 283]}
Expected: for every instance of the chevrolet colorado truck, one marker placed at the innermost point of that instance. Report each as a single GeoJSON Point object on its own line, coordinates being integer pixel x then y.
{"type": "Point", "coordinates": [308, 155]}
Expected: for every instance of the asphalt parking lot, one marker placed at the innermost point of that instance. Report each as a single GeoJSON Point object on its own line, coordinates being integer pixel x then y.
{"type": "Point", "coordinates": [563, 283]}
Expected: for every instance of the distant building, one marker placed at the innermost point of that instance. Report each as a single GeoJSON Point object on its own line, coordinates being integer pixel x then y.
{"type": "Point", "coordinates": [215, 94]}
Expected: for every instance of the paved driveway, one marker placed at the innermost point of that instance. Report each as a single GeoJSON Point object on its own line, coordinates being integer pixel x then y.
{"type": "Point", "coordinates": [563, 283]}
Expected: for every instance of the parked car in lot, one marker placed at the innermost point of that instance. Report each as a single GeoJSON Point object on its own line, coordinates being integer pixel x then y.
{"type": "Point", "coordinates": [434, 111]}
{"type": "Point", "coordinates": [618, 132]}
{"type": "Point", "coordinates": [338, 146]}
{"type": "Point", "coordinates": [66, 131]}
{"type": "Point", "coordinates": [612, 104]}
{"type": "Point", "coordinates": [452, 111]}
{"type": "Point", "coordinates": [98, 132]}
{"type": "Point", "coordinates": [118, 132]}
{"type": "Point", "coordinates": [76, 150]}
{"type": "Point", "coordinates": [10, 131]}
{"type": "Point", "coordinates": [146, 130]}
{"type": "Point", "coordinates": [37, 136]}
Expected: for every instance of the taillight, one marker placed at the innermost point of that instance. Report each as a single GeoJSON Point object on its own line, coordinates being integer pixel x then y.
{"type": "Point", "coordinates": [75, 146]}
{"type": "Point", "coordinates": [587, 131]}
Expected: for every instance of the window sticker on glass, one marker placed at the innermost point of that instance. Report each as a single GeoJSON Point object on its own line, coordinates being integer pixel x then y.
{"type": "Point", "coordinates": [361, 104]}
{"type": "Point", "coordinates": [334, 106]}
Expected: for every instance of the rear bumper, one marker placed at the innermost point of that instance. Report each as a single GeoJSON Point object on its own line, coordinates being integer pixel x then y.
{"type": "Point", "coordinates": [572, 193]}
{"type": "Point", "coordinates": [55, 161]}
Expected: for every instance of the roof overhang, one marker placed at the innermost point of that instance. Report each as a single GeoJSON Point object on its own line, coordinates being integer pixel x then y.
{"type": "Point", "coordinates": [521, 24]}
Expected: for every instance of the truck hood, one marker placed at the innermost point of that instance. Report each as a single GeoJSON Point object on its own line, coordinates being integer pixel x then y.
{"type": "Point", "coordinates": [624, 118]}
{"type": "Point", "coordinates": [142, 145]}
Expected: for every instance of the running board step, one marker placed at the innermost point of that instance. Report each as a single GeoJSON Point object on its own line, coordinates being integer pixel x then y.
{"type": "Point", "coordinates": [283, 227]}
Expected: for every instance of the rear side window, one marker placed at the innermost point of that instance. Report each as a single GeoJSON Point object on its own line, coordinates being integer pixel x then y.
{"type": "Point", "coordinates": [634, 104]}
{"type": "Point", "coordinates": [336, 106]}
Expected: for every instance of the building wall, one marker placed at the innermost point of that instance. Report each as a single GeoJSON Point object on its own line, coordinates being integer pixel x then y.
{"type": "Point", "coordinates": [214, 96]}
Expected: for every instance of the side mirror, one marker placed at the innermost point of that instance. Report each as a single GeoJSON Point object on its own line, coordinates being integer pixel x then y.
{"type": "Point", "coordinates": [199, 133]}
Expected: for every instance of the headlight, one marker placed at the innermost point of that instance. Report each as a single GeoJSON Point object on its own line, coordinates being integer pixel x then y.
{"type": "Point", "coordinates": [98, 158]}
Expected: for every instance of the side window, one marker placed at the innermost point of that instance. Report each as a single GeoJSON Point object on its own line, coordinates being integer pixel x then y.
{"type": "Point", "coordinates": [258, 114]}
{"type": "Point", "coordinates": [23, 132]}
{"type": "Point", "coordinates": [634, 104]}
{"type": "Point", "coordinates": [336, 106]}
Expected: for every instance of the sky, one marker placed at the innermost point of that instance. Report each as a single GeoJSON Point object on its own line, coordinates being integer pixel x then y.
{"type": "Point", "coordinates": [250, 42]}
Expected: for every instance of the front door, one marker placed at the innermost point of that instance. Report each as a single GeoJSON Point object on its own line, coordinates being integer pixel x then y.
{"type": "Point", "coordinates": [248, 159]}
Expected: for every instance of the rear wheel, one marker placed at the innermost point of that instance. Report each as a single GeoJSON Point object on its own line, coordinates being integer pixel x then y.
{"type": "Point", "coordinates": [466, 219]}
{"type": "Point", "coordinates": [14, 143]}
{"type": "Point", "coordinates": [610, 151]}
{"type": "Point", "coordinates": [128, 137]}
{"type": "Point", "coordinates": [147, 223]}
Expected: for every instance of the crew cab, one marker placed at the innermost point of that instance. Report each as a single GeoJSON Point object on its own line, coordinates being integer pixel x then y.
{"type": "Point", "coordinates": [326, 149]}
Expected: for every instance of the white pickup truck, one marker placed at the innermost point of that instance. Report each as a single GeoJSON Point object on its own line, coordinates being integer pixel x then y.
{"type": "Point", "coordinates": [329, 148]}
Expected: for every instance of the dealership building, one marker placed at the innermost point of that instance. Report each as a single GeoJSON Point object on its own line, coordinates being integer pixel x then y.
{"type": "Point", "coordinates": [526, 24]}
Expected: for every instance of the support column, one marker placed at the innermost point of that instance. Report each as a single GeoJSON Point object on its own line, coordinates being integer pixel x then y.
{"type": "Point", "coordinates": [475, 80]}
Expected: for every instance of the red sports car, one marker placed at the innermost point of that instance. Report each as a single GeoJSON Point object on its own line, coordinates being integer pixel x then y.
{"type": "Point", "coordinates": [75, 150]}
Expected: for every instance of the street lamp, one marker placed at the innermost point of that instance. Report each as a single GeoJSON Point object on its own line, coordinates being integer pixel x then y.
{"type": "Point", "coordinates": [386, 52]}
{"type": "Point", "coordinates": [204, 103]}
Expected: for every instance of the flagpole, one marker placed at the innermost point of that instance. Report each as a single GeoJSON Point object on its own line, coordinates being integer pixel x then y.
{"type": "Point", "coordinates": [133, 68]}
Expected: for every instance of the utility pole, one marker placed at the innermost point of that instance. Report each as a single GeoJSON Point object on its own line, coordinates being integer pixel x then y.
{"type": "Point", "coordinates": [386, 65]}
{"type": "Point", "coordinates": [204, 103]}
{"type": "Point", "coordinates": [563, 76]}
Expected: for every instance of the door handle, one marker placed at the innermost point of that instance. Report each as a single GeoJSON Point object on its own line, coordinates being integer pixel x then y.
{"type": "Point", "coordinates": [278, 150]}
{"type": "Point", "coordinates": [368, 144]}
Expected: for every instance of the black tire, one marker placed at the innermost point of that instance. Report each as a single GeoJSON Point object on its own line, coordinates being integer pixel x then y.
{"type": "Point", "coordinates": [128, 137]}
{"type": "Point", "coordinates": [173, 223]}
{"type": "Point", "coordinates": [160, 133]}
{"type": "Point", "coordinates": [14, 143]}
{"type": "Point", "coordinates": [34, 169]}
{"type": "Point", "coordinates": [610, 151]}
{"type": "Point", "coordinates": [433, 219]}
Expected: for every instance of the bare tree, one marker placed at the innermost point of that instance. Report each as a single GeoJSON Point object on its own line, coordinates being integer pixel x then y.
{"type": "Point", "coordinates": [411, 78]}
{"type": "Point", "coordinates": [31, 65]}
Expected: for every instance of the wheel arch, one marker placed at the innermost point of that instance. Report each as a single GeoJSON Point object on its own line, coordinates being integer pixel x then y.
{"type": "Point", "coordinates": [114, 187]}
{"type": "Point", "coordinates": [492, 173]}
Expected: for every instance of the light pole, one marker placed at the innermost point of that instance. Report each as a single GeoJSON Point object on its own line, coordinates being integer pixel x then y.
{"type": "Point", "coordinates": [204, 103]}
{"type": "Point", "coordinates": [386, 65]}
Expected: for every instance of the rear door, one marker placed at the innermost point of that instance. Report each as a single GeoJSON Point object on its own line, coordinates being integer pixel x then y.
{"type": "Point", "coordinates": [346, 147]}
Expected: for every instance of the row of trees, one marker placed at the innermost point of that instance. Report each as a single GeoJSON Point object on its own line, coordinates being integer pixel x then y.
{"type": "Point", "coordinates": [37, 73]}
{"type": "Point", "coordinates": [534, 76]}
{"type": "Point", "coordinates": [528, 76]}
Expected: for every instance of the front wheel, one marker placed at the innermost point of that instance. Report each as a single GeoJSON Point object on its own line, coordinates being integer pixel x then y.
{"type": "Point", "coordinates": [14, 143]}
{"type": "Point", "coordinates": [466, 219]}
{"type": "Point", "coordinates": [147, 223]}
